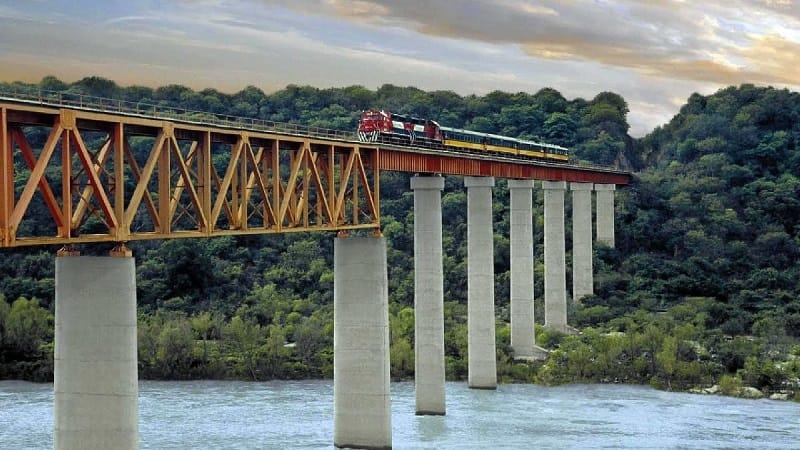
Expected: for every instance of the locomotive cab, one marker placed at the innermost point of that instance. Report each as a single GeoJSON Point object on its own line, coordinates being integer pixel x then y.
{"type": "Point", "coordinates": [383, 126]}
{"type": "Point", "coordinates": [372, 124]}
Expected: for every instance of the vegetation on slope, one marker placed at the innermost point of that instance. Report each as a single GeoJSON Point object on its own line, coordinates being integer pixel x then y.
{"type": "Point", "coordinates": [701, 288]}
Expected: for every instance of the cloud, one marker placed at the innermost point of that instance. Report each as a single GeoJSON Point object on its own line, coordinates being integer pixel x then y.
{"type": "Point", "coordinates": [789, 8]}
{"type": "Point", "coordinates": [775, 57]}
{"type": "Point", "coordinates": [705, 41]}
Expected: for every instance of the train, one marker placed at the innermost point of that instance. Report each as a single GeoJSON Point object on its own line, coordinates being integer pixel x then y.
{"type": "Point", "coordinates": [399, 129]}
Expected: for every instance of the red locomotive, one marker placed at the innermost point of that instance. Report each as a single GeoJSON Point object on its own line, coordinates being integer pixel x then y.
{"type": "Point", "coordinates": [382, 126]}
{"type": "Point", "coordinates": [398, 129]}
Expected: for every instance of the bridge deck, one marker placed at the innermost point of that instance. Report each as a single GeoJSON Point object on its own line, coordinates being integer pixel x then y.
{"type": "Point", "coordinates": [112, 173]}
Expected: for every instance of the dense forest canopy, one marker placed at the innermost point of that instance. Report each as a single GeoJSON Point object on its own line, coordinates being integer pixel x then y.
{"type": "Point", "coordinates": [702, 287]}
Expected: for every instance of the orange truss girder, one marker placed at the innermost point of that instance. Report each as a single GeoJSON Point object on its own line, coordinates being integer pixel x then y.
{"type": "Point", "coordinates": [126, 178]}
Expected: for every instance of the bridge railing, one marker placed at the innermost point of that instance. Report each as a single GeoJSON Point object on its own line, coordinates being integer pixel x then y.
{"type": "Point", "coordinates": [157, 111]}
{"type": "Point", "coordinates": [591, 165]}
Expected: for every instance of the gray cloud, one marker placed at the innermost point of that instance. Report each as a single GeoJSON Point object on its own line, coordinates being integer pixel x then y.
{"type": "Point", "coordinates": [702, 41]}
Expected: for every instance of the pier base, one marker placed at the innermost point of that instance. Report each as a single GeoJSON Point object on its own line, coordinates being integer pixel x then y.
{"type": "Point", "coordinates": [361, 402]}
{"type": "Point", "coordinates": [96, 381]}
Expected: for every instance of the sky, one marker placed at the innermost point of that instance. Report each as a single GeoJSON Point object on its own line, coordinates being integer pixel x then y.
{"type": "Point", "coordinates": [654, 53]}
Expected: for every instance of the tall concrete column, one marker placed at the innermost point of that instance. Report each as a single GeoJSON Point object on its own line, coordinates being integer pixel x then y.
{"type": "Point", "coordinates": [361, 402]}
{"type": "Point", "coordinates": [482, 365]}
{"type": "Point", "coordinates": [429, 373]}
{"type": "Point", "coordinates": [582, 276]}
{"type": "Point", "coordinates": [605, 213]}
{"type": "Point", "coordinates": [523, 338]}
{"type": "Point", "coordinates": [96, 383]}
{"type": "Point", "coordinates": [555, 279]}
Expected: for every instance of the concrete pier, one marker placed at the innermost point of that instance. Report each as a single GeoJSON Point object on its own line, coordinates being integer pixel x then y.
{"type": "Point", "coordinates": [429, 373]}
{"type": "Point", "coordinates": [96, 381]}
{"type": "Point", "coordinates": [361, 401]}
{"type": "Point", "coordinates": [555, 289]}
{"type": "Point", "coordinates": [523, 338]}
{"type": "Point", "coordinates": [482, 364]}
{"type": "Point", "coordinates": [582, 275]}
{"type": "Point", "coordinates": [605, 213]}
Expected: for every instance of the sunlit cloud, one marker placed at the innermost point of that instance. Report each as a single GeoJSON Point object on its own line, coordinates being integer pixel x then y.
{"type": "Point", "coordinates": [663, 38]}
{"type": "Point", "coordinates": [775, 57]}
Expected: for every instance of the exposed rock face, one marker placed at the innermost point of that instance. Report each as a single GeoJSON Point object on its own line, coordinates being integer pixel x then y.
{"type": "Point", "coordinates": [743, 392]}
{"type": "Point", "coordinates": [539, 354]}
{"type": "Point", "coordinates": [706, 391]}
{"type": "Point", "coordinates": [750, 392]}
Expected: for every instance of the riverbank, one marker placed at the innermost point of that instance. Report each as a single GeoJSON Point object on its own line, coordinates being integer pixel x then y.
{"type": "Point", "coordinates": [299, 414]}
{"type": "Point", "coordinates": [671, 350]}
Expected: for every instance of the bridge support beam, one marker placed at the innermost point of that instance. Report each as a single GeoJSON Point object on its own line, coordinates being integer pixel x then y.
{"type": "Point", "coordinates": [482, 365]}
{"type": "Point", "coordinates": [555, 289]}
{"type": "Point", "coordinates": [605, 213]}
{"type": "Point", "coordinates": [96, 381]}
{"type": "Point", "coordinates": [582, 275]}
{"type": "Point", "coordinates": [361, 401]}
{"type": "Point", "coordinates": [523, 339]}
{"type": "Point", "coordinates": [429, 371]}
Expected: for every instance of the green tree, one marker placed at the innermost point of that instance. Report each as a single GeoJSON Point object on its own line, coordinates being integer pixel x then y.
{"type": "Point", "coordinates": [204, 325]}
{"type": "Point", "coordinates": [272, 353]}
{"type": "Point", "coordinates": [174, 349]}
{"type": "Point", "coordinates": [550, 101]}
{"type": "Point", "coordinates": [27, 328]}
{"type": "Point", "coordinates": [94, 86]}
{"type": "Point", "coordinates": [667, 359]}
{"type": "Point", "coordinates": [310, 339]}
{"type": "Point", "coordinates": [5, 309]}
{"type": "Point", "coordinates": [559, 128]}
{"type": "Point", "coordinates": [51, 83]}
{"type": "Point", "coordinates": [242, 340]}
{"type": "Point", "coordinates": [402, 358]}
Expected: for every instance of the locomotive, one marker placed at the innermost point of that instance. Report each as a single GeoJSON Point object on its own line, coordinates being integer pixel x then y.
{"type": "Point", "coordinates": [399, 129]}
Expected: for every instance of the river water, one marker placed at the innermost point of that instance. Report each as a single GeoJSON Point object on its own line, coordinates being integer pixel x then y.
{"type": "Point", "coordinates": [299, 414]}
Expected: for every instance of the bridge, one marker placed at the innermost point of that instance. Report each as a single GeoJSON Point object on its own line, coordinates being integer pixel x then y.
{"type": "Point", "coordinates": [108, 171]}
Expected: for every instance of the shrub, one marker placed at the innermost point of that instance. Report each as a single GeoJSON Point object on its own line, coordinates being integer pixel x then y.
{"type": "Point", "coordinates": [730, 384]}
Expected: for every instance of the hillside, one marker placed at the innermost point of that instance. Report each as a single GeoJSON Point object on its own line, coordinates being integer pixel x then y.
{"type": "Point", "coordinates": [701, 289]}
{"type": "Point", "coordinates": [715, 213]}
{"type": "Point", "coordinates": [707, 240]}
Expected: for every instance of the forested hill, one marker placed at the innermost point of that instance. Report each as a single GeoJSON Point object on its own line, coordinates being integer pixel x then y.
{"type": "Point", "coordinates": [717, 213]}
{"type": "Point", "coordinates": [710, 233]}
{"type": "Point", "coordinates": [702, 288]}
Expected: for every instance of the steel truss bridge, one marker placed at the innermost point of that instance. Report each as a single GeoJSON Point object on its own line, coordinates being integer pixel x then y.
{"type": "Point", "coordinates": [111, 171]}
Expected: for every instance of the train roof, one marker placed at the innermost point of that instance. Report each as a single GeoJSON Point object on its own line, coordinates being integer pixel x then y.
{"type": "Point", "coordinates": [410, 119]}
{"type": "Point", "coordinates": [396, 116]}
{"type": "Point", "coordinates": [497, 136]}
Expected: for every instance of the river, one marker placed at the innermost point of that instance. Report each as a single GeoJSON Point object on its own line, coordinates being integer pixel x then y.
{"type": "Point", "coordinates": [299, 415]}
